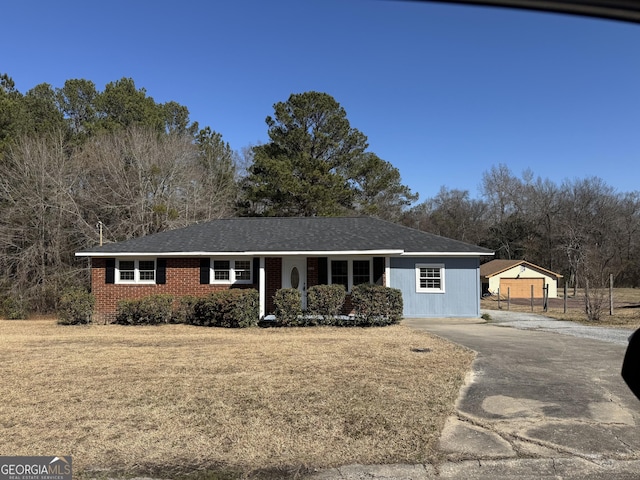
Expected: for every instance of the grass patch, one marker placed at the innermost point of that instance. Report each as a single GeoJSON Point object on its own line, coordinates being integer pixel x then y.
{"type": "Point", "coordinates": [179, 400]}
{"type": "Point", "coordinates": [626, 307]}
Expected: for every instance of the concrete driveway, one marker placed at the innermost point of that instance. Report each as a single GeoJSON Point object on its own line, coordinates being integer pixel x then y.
{"type": "Point", "coordinates": [545, 399]}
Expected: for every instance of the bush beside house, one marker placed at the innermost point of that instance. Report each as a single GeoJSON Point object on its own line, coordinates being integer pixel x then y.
{"type": "Point", "coordinates": [373, 305]}
{"type": "Point", "coordinates": [288, 307]}
{"type": "Point", "coordinates": [376, 305]}
{"type": "Point", "coordinates": [151, 310]}
{"type": "Point", "coordinates": [183, 309]}
{"type": "Point", "coordinates": [233, 308]}
{"type": "Point", "coordinates": [75, 307]}
{"type": "Point", "coordinates": [325, 302]}
{"type": "Point", "coordinates": [239, 308]}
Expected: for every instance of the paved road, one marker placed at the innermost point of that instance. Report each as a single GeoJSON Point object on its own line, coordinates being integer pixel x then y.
{"type": "Point", "coordinates": [545, 400]}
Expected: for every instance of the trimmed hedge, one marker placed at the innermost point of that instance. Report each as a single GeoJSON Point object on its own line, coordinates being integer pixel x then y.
{"type": "Point", "coordinates": [376, 305]}
{"type": "Point", "coordinates": [183, 311]}
{"type": "Point", "coordinates": [76, 307]}
{"type": "Point", "coordinates": [288, 307]}
{"type": "Point", "coordinates": [233, 308]}
{"type": "Point", "coordinates": [151, 310]}
{"type": "Point", "coordinates": [326, 302]}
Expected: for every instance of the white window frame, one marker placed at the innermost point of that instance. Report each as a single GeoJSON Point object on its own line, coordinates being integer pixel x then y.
{"type": "Point", "coordinates": [349, 261]}
{"type": "Point", "coordinates": [232, 271]}
{"type": "Point", "coordinates": [439, 266]}
{"type": "Point", "coordinates": [136, 271]}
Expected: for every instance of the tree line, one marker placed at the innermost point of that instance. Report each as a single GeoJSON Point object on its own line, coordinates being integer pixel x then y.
{"type": "Point", "coordinates": [75, 157]}
{"type": "Point", "coordinates": [581, 228]}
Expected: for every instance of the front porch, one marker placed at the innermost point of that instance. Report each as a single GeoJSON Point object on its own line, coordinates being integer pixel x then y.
{"type": "Point", "coordinates": [303, 272]}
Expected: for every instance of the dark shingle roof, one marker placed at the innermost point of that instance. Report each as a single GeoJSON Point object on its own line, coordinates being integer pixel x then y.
{"type": "Point", "coordinates": [290, 234]}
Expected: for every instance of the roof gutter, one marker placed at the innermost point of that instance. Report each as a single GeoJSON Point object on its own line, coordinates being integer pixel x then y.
{"type": "Point", "coordinates": [257, 253]}
{"type": "Point", "coordinates": [447, 254]}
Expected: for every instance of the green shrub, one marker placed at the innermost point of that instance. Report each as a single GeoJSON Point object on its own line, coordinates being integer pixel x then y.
{"type": "Point", "coordinates": [75, 307]}
{"type": "Point", "coordinates": [183, 311]}
{"type": "Point", "coordinates": [237, 308]}
{"type": "Point", "coordinates": [288, 307]}
{"type": "Point", "coordinates": [14, 308]}
{"type": "Point", "coordinates": [151, 310]}
{"type": "Point", "coordinates": [325, 302]}
{"type": "Point", "coordinates": [376, 305]}
{"type": "Point", "coordinates": [233, 308]}
{"type": "Point", "coordinates": [204, 312]}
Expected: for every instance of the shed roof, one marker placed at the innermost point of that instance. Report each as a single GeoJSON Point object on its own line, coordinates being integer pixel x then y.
{"type": "Point", "coordinates": [495, 267]}
{"type": "Point", "coordinates": [269, 235]}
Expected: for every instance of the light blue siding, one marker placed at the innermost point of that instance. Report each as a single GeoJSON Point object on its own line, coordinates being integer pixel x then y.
{"type": "Point", "coordinates": [462, 287]}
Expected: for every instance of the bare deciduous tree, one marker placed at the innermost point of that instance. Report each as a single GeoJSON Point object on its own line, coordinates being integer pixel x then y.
{"type": "Point", "coordinates": [134, 181]}
{"type": "Point", "coordinates": [38, 219]}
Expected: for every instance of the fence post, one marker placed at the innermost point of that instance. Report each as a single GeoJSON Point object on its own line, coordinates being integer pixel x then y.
{"type": "Point", "coordinates": [499, 307]}
{"type": "Point", "coordinates": [565, 297]}
{"type": "Point", "coordinates": [545, 297]}
{"type": "Point", "coordinates": [532, 298]}
{"type": "Point", "coordinates": [508, 298]}
{"type": "Point", "coordinates": [611, 294]}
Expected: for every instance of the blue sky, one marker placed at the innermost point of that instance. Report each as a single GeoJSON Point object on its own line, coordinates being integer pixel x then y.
{"type": "Point", "coordinates": [443, 92]}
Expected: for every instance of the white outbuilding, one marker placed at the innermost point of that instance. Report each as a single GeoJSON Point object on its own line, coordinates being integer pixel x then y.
{"type": "Point", "coordinates": [517, 278]}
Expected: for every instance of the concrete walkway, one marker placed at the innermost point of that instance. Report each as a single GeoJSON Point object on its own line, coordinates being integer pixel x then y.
{"type": "Point", "coordinates": [545, 400]}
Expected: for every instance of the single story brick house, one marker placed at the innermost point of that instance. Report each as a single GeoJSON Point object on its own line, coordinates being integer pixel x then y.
{"type": "Point", "coordinates": [518, 277]}
{"type": "Point", "coordinates": [438, 277]}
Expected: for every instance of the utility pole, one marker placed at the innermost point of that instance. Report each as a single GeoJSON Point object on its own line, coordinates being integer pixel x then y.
{"type": "Point", "coordinates": [99, 225]}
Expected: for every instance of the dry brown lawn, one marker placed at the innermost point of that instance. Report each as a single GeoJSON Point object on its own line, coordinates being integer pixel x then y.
{"type": "Point", "coordinates": [626, 307]}
{"type": "Point", "coordinates": [176, 399]}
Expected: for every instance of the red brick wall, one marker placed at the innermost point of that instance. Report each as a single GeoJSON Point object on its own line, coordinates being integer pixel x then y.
{"type": "Point", "coordinates": [273, 267]}
{"type": "Point", "coordinates": [312, 271]}
{"type": "Point", "coordinates": [183, 278]}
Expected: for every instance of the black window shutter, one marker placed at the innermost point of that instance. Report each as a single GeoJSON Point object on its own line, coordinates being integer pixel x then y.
{"type": "Point", "coordinates": [161, 271]}
{"type": "Point", "coordinates": [205, 270]}
{"type": "Point", "coordinates": [110, 270]}
{"type": "Point", "coordinates": [256, 270]}
{"type": "Point", "coordinates": [323, 271]}
{"type": "Point", "coordinates": [378, 270]}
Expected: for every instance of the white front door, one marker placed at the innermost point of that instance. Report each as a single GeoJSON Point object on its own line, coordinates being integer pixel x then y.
{"type": "Point", "coordinates": [294, 275]}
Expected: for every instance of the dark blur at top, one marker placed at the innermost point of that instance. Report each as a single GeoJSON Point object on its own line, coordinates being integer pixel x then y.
{"type": "Point", "coordinates": [624, 10]}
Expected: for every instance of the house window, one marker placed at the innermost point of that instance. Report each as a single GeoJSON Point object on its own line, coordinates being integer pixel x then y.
{"type": "Point", "coordinates": [147, 270]}
{"type": "Point", "coordinates": [361, 272]}
{"type": "Point", "coordinates": [242, 269]}
{"type": "Point", "coordinates": [231, 271]}
{"type": "Point", "coordinates": [222, 270]}
{"type": "Point", "coordinates": [136, 271]}
{"type": "Point", "coordinates": [127, 270]}
{"type": "Point", "coordinates": [430, 278]}
{"type": "Point", "coordinates": [350, 272]}
{"type": "Point", "coordinates": [340, 273]}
